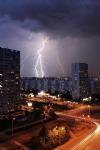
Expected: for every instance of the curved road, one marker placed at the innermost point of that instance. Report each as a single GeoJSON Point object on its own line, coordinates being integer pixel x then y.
{"type": "Point", "coordinates": [90, 142]}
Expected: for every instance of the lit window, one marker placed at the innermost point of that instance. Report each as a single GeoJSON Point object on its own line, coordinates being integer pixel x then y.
{"type": "Point", "coordinates": [12, 71]}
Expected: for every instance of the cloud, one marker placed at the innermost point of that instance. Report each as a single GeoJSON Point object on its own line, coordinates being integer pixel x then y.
{"type": "Point", "coordinates": [55, 17]}
{"type": "Point", "coordinates": [24, 24]}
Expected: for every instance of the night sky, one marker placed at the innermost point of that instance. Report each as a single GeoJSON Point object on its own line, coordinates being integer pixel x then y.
{"type": "Point", "coordinates": [70, 30]}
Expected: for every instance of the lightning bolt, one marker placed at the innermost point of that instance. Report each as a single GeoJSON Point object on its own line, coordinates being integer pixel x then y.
{"type": "Point", "coordinates": [30, 52]}
{"type": "Point", "coordinates": [60, 64]}
{"type": "Point", "coordinates": [39, 64]}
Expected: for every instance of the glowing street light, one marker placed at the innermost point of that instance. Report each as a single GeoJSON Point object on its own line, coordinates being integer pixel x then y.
{"type": "Point", "coordinates": [89, 98]}
{"type": "Point", "coordinates": [29, 104]}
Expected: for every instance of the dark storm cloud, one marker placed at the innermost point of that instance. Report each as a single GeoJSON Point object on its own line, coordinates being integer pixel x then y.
{"type": "Point", "coordinates": [55, 17]}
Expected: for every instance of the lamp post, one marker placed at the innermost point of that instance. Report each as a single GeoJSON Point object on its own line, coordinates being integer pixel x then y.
{"type": "Point", "coordinates": [89, 110]}
{"type": "Point", "coordinates": [42, 119]}
{"type": "Point", "coordinates": [12, 124]}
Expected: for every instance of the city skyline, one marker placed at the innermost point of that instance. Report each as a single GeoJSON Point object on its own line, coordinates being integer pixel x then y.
{"type": "Point", "coordinates": [70, 29]}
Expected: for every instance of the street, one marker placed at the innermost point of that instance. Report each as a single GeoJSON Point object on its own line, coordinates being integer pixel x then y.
{"type": "Point", "coordinates": [88, 141]}
{"type": "Point", "coordinates": [91, 141]}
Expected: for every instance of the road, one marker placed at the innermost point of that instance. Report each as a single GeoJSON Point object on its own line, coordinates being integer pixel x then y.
{"type": "Point", "coordinates": [91, 141]}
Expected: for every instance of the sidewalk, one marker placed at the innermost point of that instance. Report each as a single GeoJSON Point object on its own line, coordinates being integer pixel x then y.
{"type": "Point", "coordinates": [21, 145]}
{"type": "Point", "coordinates": [16, 140]}
{"type": "Point", "coordinates": [27, 126]}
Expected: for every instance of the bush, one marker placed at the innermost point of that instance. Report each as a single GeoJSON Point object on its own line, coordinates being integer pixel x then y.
{"type": "Point", "coordinates": [48, 139]}
{"type": "Point", "coordinates": [52, 114]}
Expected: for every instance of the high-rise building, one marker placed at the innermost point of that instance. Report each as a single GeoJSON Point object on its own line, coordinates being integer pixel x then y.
{"type": "Point", "coordinates": [80, 85]}
{"type": "Point", "coordinates": [94, 84]}
{"type": "Point", "coordinates": [9, 81]}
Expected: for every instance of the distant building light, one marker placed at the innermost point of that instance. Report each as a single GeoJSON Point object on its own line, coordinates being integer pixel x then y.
{"type": "Point", "coordinates": [85, 99]}
{"type": "Point", "coordinates": [29, 104]}
{"type": "Point", "coordinates": [31, 95]}
{"type": "Point", "coordinates": [41, 93]}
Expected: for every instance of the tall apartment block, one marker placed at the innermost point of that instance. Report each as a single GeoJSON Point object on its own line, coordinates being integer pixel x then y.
{"type": "Point", "coordinates": [94, 84]}
{"type": "Point", "coordinates": [80, 84]}
{"type": "Point", "coordinates": [52, 84]}
{"type": "Point", "coordinates": [9, 81]}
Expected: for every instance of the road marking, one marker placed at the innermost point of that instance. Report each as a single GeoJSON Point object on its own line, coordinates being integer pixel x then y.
{"type": "Point", "coordinates": [83, 141]}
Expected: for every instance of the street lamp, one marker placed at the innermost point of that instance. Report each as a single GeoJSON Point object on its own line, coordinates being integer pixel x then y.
{"type": "Point", "coordinates": [12, 124]}
{"type": "Point", "coordinates": [84, 117]}
{"type": "Point", "coordinates": [42, 119]}
{"type": "Point", "coordinates": [89, 110]}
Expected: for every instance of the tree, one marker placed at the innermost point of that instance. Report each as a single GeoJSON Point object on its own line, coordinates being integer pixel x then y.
{"type": "Point", "coordinates": [66, 95]}
{"type": "Point", "coordinates": [52, 113]}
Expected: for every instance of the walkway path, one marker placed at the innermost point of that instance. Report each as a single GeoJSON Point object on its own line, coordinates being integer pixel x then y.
{"type": "Point", "coordinates": [21, 145]}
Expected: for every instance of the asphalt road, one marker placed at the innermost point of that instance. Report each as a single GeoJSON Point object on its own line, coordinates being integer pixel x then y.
{"type": "Point", "coordinates": [91, 141]}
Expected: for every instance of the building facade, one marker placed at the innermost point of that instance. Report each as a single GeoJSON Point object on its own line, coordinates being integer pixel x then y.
{"type": "Point", "coordinates": [94, 84]}
{"type": "Point", "coordinates": [51, 84]}
{"type": "Point", "coordinates": [80, 84]}
{"type": "Point", "coordinates": [9, 80]}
